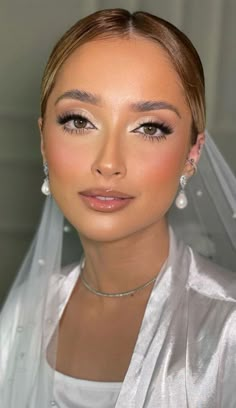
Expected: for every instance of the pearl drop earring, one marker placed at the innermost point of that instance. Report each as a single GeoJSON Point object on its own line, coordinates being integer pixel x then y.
{"type": "Point", "coordinates": [181, 201]}
{"type": "Point", "coordinates": [45, 187]}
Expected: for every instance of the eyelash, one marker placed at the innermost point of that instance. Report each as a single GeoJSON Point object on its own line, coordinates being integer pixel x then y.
{"type": "Point", "coordinates": [68, 117]}
{"type": "Point", "coordinates": [164, 128]}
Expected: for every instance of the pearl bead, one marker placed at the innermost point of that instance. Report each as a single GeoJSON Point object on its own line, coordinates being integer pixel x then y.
{"type": "Point", "coordinates": [67, 228]}
{"type": "Point", "coordinates": [20, 329]}
{"type": "Point", "coordinates": [45, 187]}
{"type": "Point", "coordinates": [181, 201]}
{"type": "Point", "coordinates": [199, 193]}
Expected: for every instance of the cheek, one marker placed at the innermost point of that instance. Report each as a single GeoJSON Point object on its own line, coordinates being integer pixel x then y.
{"type": "Point", "coordinates": [66, 161]}
{"type": "Point", "coordinates": [160, 170]}
{"type": "Point", "coordinates": [159, 179]}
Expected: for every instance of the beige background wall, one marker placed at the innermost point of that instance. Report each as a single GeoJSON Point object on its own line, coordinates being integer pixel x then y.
{"type": "Point", "coordinates": [28, 30]}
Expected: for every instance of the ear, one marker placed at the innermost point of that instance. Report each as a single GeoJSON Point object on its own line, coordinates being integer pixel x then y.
{"type": "Point", "coordinates": [42, 145]}
{"type": "Point", "coordinates": [194, 154]}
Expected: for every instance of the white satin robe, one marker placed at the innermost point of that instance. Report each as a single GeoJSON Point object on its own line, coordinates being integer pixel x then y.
{"type": "Point", "coordinates": [185, 353]}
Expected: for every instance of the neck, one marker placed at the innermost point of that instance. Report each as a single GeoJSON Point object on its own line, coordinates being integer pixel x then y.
{"type": "Point", "coordinates": [125, 264]}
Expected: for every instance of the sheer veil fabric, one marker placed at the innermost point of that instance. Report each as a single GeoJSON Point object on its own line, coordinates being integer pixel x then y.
{"type": "Point", "coordinates": [208, 223]}
{"type": "Point", "coordinates": [23, 318]}
{"type": "Point", "coordinates": [27, 320]}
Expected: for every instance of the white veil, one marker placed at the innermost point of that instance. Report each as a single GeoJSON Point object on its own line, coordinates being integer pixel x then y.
{"type": "Point", "coordinates": [29, 318]}
{"type": "Point", "coordinates": [208, 223]}
{"type": "Point", "coordinates": [29, 308]}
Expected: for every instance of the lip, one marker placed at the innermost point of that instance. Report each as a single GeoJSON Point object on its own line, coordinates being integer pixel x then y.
{"type": "Point", "coordinates": [93, 192]}
{"type": "Point", "coordinates": [117, 201]}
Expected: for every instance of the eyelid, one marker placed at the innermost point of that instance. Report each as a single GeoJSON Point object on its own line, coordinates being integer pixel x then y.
{"type": "Point", "coordinates": [147, 119]}
{"type": "Point", "coordinates": [78, 112]}
{"type": "Point", "coordinates": [71, 115]}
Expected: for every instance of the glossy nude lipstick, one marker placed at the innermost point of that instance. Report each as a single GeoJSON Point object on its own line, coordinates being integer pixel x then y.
{"type": "Point", "coordinates": [105, 200]}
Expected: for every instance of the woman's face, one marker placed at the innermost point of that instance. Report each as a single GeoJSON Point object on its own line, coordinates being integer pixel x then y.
{"type": "Point", "coordinates": [116, 119]}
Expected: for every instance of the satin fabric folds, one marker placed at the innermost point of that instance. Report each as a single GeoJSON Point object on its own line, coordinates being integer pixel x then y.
{"type": "Point", "coordinates": [185, 353]}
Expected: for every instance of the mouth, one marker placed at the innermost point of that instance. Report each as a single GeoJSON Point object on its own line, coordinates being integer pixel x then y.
{"type": "Point", "coordinates": [105, 193]}
{"type": "Point", "coordinates": [105, 200]}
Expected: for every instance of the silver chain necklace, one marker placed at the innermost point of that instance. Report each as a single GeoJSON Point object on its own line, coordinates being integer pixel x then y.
{"type": "Point", "coordinates": [121, 294]}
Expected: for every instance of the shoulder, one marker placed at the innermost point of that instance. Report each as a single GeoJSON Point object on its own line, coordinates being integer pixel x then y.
{"type": "Point", "coordinates": [32, 301]}
{"type": "Point", "coordinates": [212, 306]}
{"type": "Point", "coordinates": [211, 280]}
{"type": "Point", "coordinates": [212, 310]}
{"type": "Point", "coordinates": [38, 291]}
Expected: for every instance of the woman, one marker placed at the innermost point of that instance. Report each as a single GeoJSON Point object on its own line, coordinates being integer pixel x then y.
{"type": "Point", "coordinates": [143, 321]}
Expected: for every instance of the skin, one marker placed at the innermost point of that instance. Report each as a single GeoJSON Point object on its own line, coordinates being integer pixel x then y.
{"type": "Point", "coordinates": [126, 248]}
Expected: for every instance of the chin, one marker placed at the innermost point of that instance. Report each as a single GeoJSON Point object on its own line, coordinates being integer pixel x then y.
{"type": "Point", "coordinates": [102, 234]}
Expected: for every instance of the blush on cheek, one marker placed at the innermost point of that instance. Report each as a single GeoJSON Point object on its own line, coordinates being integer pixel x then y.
{"type": "Point", "coordinates": [161, 168]}
{"type": "Point", "coordinates": [66, 162]}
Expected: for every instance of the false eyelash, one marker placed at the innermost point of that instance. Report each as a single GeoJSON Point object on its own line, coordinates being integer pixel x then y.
{"type": "Point", "coordinates": [66, 117]}
{"type": "Point", "coordinates": [166, 129]}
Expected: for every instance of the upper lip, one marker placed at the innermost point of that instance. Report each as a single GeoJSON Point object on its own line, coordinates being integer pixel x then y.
{"type": "Point", "coordinates": [105, 193]}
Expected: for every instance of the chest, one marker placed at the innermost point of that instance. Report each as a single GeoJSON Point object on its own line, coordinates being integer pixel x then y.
{"type": "Point", "coordinates": [98, 346]}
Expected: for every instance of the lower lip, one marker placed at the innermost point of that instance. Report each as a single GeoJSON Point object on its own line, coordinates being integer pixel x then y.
{"type": "Point", "coordinates": [105, 205]}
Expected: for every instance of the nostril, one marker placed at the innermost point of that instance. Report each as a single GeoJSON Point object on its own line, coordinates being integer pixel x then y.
{"type": "Point", "coordinates": [104, 172]}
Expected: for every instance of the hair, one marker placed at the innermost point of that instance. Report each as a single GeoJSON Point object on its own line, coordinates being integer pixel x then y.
{"type": "Point", "coordinates": [113, 23]}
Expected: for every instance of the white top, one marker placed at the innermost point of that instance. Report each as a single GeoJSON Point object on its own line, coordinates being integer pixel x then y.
{"type": "Point", "coordinates": [71, 392]}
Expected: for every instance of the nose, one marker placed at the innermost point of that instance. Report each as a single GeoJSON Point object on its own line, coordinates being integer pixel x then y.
{"type": "Point", "coordinates": [109, 161]}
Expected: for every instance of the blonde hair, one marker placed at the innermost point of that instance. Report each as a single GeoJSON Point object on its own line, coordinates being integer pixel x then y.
{"type": "Point", "coordinates": [112, 23]}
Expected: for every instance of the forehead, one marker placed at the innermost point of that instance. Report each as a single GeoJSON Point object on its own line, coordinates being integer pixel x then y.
{"type": "Point", "coordinates": [122, 69]}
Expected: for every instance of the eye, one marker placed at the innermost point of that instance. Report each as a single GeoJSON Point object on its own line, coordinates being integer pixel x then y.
{"type": "Point", "coordinates": [75, 123]}
{"type": "Point", "coordinates": [153, 130]}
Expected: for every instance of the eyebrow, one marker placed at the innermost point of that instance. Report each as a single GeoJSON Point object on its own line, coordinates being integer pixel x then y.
{"type": "Point", "coordinates": [141, 106]}
{"type": "Point", "coordinates": [80, 95]}
{"type": "Point", "coordinates": [144, 106]}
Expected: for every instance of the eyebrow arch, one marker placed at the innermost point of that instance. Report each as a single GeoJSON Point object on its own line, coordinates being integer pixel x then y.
{"type": "Point", "coordinates": [144, 106]}
{"type": "Point", "coordinates": [141, 106]}
{"type": "Point", "coordinates": [80, 95]}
